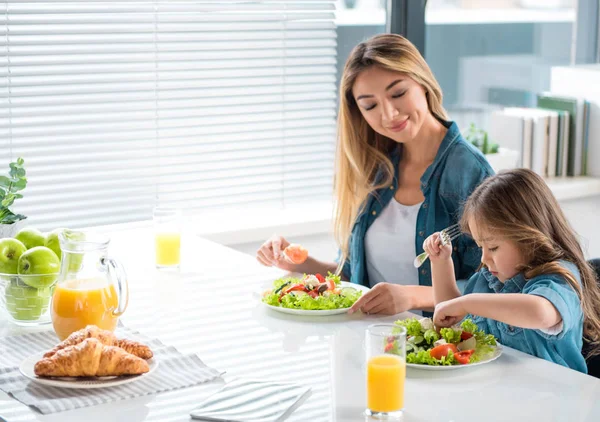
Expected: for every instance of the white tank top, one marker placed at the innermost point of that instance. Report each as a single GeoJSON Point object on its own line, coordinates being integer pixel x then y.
{"type": "Point", "coordinates": [390, 245]}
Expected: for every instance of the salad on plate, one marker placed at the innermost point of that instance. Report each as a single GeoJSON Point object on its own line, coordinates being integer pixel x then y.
{"type": "Point", "coordinates": [311, 292]}
{"type": "Point", "coordinates": [459, 345]}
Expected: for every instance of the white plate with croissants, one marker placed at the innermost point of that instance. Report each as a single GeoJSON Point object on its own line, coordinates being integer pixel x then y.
{"type": "Point", "coordinates": [90, 358]}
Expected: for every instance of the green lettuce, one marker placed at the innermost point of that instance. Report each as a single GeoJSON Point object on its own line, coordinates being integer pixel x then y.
{"type": "Point", "coordinates": [413, 327]}
{"type": "Point", "coordinates": [450, 335]}
{"type": "Point", "coordinates": [424, 358]}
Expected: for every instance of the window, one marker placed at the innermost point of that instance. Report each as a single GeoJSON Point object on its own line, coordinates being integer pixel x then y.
{"type": "Point", "coordinates": [488, 54]}
{"type": "Point", "coordinates": [118, 105]}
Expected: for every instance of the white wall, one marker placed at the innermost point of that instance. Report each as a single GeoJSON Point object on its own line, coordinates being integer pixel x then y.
{"type": "Point", "coordinates": [583, 214]}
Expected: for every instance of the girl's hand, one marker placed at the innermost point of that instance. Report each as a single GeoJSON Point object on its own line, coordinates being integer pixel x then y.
{"type": "Point", "coordinates": [383, 299]}
{"type": "Point", "coordinates": [270, 254]}
{"type": "Point", "coordinates": [449, 313]}
{"type": "Point", "coordinates": [432, 246]}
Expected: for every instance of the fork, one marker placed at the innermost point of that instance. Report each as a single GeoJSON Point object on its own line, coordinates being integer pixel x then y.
{"type": "Point", "coordinates": [447, 235]}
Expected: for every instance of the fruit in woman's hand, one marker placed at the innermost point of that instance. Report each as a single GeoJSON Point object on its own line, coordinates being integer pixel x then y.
{"type": "Point", "coordinates": [39, 266]}
{"type": "Point", "coordinates": [10, 252]}
{"type": "Point", "coordinates": [296, 254]}
{"type": "Point", "coordinates": [31, 237]}
{"type": "Point", "coordinates": [25, 303]}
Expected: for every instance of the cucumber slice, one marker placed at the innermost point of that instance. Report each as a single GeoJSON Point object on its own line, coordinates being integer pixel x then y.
{"type": "Point", "coordinates": [280, 288]}
{"type": "Point", "coordinates": [347, 291]}
{"type": "Point", "coordinates": [417, 340]}
{"type": "Point", "coordinates": [298, 293]}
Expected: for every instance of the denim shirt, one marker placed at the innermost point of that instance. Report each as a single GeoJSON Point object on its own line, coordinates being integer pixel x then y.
{"type": "Point", "coordinates": [563, 348]}
{"type": "Point", "coordinates": [456, 171]}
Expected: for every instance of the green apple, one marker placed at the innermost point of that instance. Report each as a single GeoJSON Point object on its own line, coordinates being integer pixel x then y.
{"type": "Point", "coordinates": [31, 237]}
{"type": "Point", "coordinates": [39, 267]}
{"type": "Point", "coordinates": [10, 252]}
{"type": "Point", "coordinates": [25, 303]}
{"type": "Point", "coordinates": [53, 242]}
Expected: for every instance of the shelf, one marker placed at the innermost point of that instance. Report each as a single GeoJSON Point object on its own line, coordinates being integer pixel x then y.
{"type": "Point", "coordinates": [458, 16]}
{"type": "Point", "coordinates": [566, 188]}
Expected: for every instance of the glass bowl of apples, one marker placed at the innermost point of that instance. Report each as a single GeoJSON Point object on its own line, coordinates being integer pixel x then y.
{"type": "Point", "coordinates": [27, 279]}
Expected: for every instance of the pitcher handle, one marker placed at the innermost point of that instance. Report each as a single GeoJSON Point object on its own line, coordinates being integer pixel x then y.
{"type": "Point", "coordinates": [122, 286]}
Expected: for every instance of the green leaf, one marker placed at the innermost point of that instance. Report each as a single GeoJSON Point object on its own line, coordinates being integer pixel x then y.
{"type": "Point", "coordinates": [8, 201]}
{"type": "Point", "coordinates": [12, 218]}
{"type": "Point", "coordinates": [19, 185]}
{"type": "Point", "coordinates": [5, 182]}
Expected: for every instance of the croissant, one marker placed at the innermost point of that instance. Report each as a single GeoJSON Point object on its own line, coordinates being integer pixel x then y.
{"type": "Point", "coordinates": [90, 358]}
{"type": "Point", "coordinates": [105, 337]}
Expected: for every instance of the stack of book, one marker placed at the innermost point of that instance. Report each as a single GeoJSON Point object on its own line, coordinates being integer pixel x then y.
{"type": "Point", "coordinates": [552, 138]}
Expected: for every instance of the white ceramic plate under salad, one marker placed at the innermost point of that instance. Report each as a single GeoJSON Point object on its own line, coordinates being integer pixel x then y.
{"type": "Point", "coordinates": [491, 358]}
{"type": "Point", "coordinates": [27, 365]}
{"type": "Point", "coordinates": [324, 312]}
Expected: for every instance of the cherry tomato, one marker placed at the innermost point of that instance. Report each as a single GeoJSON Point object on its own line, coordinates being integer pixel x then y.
{"type": "Point", "coordinates": [295, 253]}
{"type": "Point", "coordinates": [438, 352]}
{"type": "Point", "coordinates": [464, 357]}
{"type": "Point", "coordinates": [465, 335]}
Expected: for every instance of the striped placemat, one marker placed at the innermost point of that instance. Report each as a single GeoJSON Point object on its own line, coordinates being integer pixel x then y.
{"type": "Point", "coordinates": [175, 371]}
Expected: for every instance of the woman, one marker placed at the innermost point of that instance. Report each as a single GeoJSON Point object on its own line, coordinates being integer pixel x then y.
{"type": "Point", "coordinates": [402, 172]}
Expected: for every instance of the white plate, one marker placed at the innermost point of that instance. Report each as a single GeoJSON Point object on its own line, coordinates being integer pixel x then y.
{"type": "Point", "coordinates": [27, 365]}
{"type": "Point", "coordinates": [316, 312]}
{"type": "Point", "coordinates": [495, 356]}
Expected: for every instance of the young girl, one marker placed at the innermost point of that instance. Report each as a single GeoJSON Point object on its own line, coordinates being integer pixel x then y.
{"type": "Point", "coordinates": [547, 296]}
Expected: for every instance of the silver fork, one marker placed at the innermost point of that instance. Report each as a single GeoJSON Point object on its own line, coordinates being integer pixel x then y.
{"type": "Point", "coordinates": [447, 235]}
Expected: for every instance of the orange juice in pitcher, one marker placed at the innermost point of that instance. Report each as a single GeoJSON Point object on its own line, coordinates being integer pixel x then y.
{"type": "Point", "coordinates": [91, 288]}
{"type": "Point", "coordinates": [78, 303]}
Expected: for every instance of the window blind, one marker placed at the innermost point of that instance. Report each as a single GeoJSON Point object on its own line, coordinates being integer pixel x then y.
{"type": "Point", "coordinates": [119, 105]}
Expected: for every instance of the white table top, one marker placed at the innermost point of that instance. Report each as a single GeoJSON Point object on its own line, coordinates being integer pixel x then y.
{"type": "Point", "coordinates": [210, 308]}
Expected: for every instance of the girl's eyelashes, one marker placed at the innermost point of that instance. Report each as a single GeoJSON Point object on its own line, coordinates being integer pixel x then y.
{"type": "Point", "coordinates": [494, 249]}
{"type": "Point", "coordinates": [371, 107]}
{"type": "Point", "coordinates": [398, 95]}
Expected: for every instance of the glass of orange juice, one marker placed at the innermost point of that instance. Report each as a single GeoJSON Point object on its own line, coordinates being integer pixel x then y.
{"type": "Point", "coordinates": [386, 371]}
{"type": "Point", "coordinates": [167, 237]}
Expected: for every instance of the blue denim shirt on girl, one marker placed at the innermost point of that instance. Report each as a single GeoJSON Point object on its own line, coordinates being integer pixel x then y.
{"type": "Point", "coordinates": [563, 347]}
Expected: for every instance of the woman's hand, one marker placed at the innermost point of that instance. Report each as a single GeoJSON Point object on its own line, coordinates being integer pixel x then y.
{"type": "Point", "coordinates": [432, 246]}
{"type": "Point", "coordinates": [450, 312]}
{"type": "Point", "coordinates": [270, 254]}
{"type": "Point", "coordinates": [384, 299]}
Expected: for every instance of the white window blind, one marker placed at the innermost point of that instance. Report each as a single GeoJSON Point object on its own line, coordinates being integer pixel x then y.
{"type": "Point", "coordinates": [118, 105]}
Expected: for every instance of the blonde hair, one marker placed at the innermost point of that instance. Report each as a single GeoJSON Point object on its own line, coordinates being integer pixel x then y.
{"type": "Point", "coordinates": [517, 205]}
{"type": "Point", "coordinates": [362, 152]}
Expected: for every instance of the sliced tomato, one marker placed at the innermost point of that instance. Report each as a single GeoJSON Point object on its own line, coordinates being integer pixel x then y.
{"type": "Point", "coordinates": [313, 293]}
{"type": "Point", "coordinates": [330, 284]}
{"type": "Point", "coordinates": [463, 357]}
{"type": "Point", "coordinates": [465, 335]}
{"type": "Point", "coordinates": [320, 278]}
{"type": "Point", "coordinates": [388, 347]}
{"type": "Point", "coordinates": [441, 351]}
{"type": "Point", "coordinates": [300, 287]}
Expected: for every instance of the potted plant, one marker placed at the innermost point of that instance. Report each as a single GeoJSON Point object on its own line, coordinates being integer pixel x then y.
{"type": "Point", "coordinates": [499, 158]}
{"type": "Point", "coordinates": [10, 186]}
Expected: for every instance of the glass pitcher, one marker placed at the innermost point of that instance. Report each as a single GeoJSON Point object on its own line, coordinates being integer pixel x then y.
{"type": "Point", "coordinates": [91, 289]}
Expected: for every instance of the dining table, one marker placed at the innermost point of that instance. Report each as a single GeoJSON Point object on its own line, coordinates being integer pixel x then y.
{"type": "Point", "coordinates": [211, 306]}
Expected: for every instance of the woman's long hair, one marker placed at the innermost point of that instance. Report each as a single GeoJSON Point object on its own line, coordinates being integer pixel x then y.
{"type": "Point", "coordinates": [517, 205]}
{"type": "Point", "coordinates": [362, 152]}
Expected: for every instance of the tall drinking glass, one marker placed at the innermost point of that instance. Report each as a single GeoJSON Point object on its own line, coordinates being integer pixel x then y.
{"type": "Point", "coordinates": [167, 237]}
{"type": "Point", "coordinates": [386, 371]}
